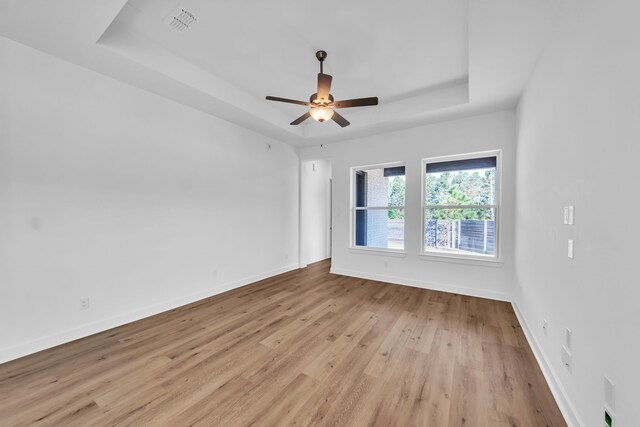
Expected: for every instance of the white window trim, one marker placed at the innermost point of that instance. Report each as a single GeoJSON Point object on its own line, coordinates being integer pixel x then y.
{"type": "Point", "coordinates": [459, 257]}
{"type": "Point", "coordinates": [352, 222]}
{"type": "Point", "coordinates": [378, 251]}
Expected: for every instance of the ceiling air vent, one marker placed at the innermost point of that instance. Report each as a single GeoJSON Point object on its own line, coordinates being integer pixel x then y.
{"type": "Point", "coordinates": [181, 20]}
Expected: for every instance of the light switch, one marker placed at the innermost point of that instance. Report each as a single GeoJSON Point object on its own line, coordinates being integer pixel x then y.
{"type": "Point", "coordinates": [570, 215]}
{"type": "Point", "coordinates": [566, 215]}
{"type": "Point", "coordinates": [567, 338]}
{"type": "Point", "coordinates": [570, 249]}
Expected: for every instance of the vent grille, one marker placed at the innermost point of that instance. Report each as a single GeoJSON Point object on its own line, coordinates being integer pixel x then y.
{"type": "Point", "coordinates": [181, 20]}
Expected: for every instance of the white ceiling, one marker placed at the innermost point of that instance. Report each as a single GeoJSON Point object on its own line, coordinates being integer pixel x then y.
{"type": "Point", "coordinates": [427, 60]}
{"type": "Point", "coordinates": [268, 47]}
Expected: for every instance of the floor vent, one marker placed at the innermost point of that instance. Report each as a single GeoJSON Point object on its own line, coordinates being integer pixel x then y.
{"type": "Point", "coordinates": [181, 20]}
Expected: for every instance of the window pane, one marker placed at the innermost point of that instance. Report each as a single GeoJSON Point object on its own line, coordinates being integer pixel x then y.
{"type": "Point", "coordinates": [463, 187]}
{"type": "Point", "coordinates": [380, 187]}
{"type": "Point", "coordinates": [361, 189]}
{"type": "Point", "coordinates": [470, 231]}
{"type": "Point", "coordinates": [380, 228]}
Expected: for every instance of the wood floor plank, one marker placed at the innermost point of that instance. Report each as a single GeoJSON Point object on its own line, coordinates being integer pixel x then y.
{"type": "Point", "coordinates": [294, 327]}
{"type": "Point", "coordinates": [303, 348]}
{"type": "Point", "coordinates": [287, 403]}
{"type": "Point", "coordinates": [389, 353]}
{"type": "Point", "coordinates": [468, 398]}
{"type": "Point", "coordinates": [335, 387]}
{"type": "Point", "coordinates": [422, 336]}
{"type": "Point", "coordinates": [324, 364]}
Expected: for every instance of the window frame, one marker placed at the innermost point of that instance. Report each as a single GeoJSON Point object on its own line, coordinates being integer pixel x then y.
{"type": "Point", "coordinates": [444, 255]}
{"type": "Point", "coordinates": [353, 208]}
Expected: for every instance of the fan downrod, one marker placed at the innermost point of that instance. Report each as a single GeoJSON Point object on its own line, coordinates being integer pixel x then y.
{"type": "Point", "coordinates": [321, 55]}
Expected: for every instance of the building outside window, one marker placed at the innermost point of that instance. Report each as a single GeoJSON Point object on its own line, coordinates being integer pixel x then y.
{"type": "Point", "coordinates": [461, 203]}
{"type": "Point", "coordinates": [378, 207]}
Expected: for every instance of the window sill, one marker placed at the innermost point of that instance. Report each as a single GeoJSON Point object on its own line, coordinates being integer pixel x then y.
{"type": "Point", "coordinates": [462, 259]}
{"type": "Point", "coordinates": [375, 251]}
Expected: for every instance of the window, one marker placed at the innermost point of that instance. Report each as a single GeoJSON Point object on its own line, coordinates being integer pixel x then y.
{"type": "Point", "coordinates": [378, 207]}
{"type": "Point", "coordinates": [460, 205]}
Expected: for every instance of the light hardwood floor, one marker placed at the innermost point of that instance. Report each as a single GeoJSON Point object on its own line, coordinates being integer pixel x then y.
{"type": "Point", "coordinates": [303, 348]}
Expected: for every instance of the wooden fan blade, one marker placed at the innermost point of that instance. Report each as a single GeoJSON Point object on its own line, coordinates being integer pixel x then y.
{"type": "Point", "coordinates": [301, 119]}
{"type": "Point", "coordinates": [340, 120]}
{"type": "Point", "coordinates": [360, 102]}
{"type": "Point", "coordinates": [324, 86]}
{"type": "Point", "coordinates": [290, 101]}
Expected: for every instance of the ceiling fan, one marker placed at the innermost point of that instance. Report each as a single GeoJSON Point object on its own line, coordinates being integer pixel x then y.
{"type": "Point", "coordinates": [322, 106]}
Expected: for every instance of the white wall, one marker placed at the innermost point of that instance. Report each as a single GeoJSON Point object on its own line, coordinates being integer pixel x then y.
{"type": "Point", "coordinates": [315, 210]}
{"type": "Point", "coordinates": [579, 144]}
{"type": "Point", "coordinates": [479, 133]}
{"type": "Point", "coordinates": [125, 197]}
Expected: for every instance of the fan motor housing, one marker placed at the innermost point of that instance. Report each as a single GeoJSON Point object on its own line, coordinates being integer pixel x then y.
{"type": "Point", "coordinates": [315, 96]}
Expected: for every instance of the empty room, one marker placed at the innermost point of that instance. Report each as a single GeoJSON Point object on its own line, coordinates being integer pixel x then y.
{"type": "Point", "coordinates": [345, 213]}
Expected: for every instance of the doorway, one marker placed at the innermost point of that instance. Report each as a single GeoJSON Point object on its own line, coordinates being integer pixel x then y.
{"type": "Point", "coordinates": [315, 218]}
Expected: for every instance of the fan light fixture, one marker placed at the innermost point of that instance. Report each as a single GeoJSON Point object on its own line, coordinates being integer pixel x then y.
{"type": "Point", "coordinates": [321, 104]}
{"type": "Point", "coordinates": [321, 114]}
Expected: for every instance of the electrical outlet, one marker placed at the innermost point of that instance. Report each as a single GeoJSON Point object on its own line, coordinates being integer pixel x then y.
{"type": "Point", "coordinates": [566, 358]}
{"type": "Point", "coordinates": [545, 326]}
{"type": "Point", "coordinates": [84, 303]}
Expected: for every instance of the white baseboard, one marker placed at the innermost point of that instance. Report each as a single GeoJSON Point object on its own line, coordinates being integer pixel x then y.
{"type": "Point", "coordinates": [444, 287]}
{"type": "Point", "coordinates": [560, 395]}
{"type": "Point", "coordinates": [52, 340]}
{"type": "Point", "coordinates": [314, 260]}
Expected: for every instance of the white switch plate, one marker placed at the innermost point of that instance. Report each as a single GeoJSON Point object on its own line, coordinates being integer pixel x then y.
{"type": "Point", "coordinates": [566, 215]}
{"type": "Point", "coordinates": [570, 249]}
{"type": "Point", "coordinates": [545, 325]}
{"type": "Point", "coordinates": [566, 358]}
{"type": "Point", "coordinates": [609, 394]}
{"type": "Point", "coordinates": [84, 303]}
{"type": "Point", "coordinates": [567, 338]}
